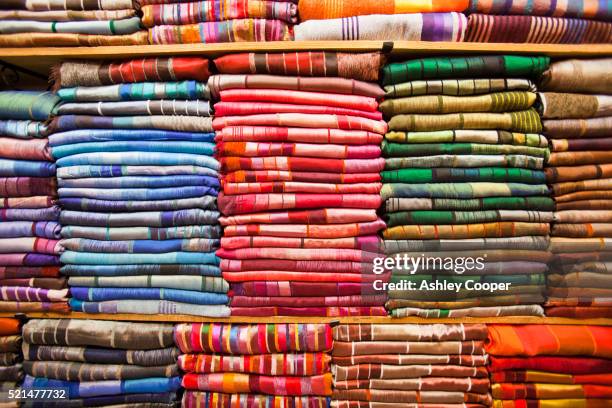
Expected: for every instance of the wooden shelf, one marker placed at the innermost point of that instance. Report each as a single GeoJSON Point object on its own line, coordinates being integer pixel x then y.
{"type": "Point", "coordinates": [280, 319]}
{"type": "Point", "coordinates": [40, 58]}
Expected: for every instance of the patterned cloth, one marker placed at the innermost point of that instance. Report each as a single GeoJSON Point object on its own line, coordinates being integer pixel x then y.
{"type": "Point", "coordinates": [97, 27]}
{"type": "Point", "coordinates": [71, 40]}
{"type": "Point", "coordinates": [578, 8]}
{"type": "Point", "coordinates": [68, 5]}
{"type": "Point", "coordinates": [326, 9]}
{"type": "Point", "coordinates": [221, 31]}
{"type": "Point", "coordinates": [588, 76]}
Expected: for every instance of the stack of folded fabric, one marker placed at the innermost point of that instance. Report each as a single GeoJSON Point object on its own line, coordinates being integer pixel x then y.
{"type": "Point", "coordinates": [261, 365]}
{"type": "Point", "coordinates": [29, 231]}
{"type": "Point", "coordinates": [101, 363]}
{"type": "Point", "coordinates": [550, 366]}
{"type": "Point", "coordinates": [576, 107]}
{"type": "Point", "coordinates": [385, 20]}
{"type": "Point", "coordinates": [11, 372]}
{"type": "Point", "coordinates": [463, 172]}
{"type": "Point", "coordinates": [396, 366]}
{"type": "Point", "coordinates": [138, 186]}
{"type": "Point", "coordinates": [300, 158]}
{"type": "Point", "coordinates": [27, 23]}
{"type": "Point", "coordinates": [217, 21]}
{"type": "Point", "coordinates": [540, 21]}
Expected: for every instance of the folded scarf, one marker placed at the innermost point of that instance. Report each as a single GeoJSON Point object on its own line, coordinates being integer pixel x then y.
{"type": "Point", "coordinates": [306, 230]}
{"type": "Point", "coordinates": [27, 186]}
{"type": "Point", "coordinates": [425, 149]}
{"type": "Point", "coordinates": [552, 364]}
{"type": "Point", "coordinates": [529, 376]}
{"type": "Point", "coordinates": [371, 242]}
{"type": "Point", "coordinates": [333, 151]}
{"type": "Point", "coordinates": [98, 27]}
{"type": "Point", "coordinates": [601, 184]}
{"type": "Point", "coordinates": [283, 303]}
{"type": "Point", "coordinates": [152, 400]}
{"type": "Point", "coordinates": [494, 311]}
{"type": "Point", "coordinates": [495, 66]}
{"type": "Point", "coordinates": [586, 312]}
{"type": "Point", "coordinates": [583, 230]}
{"type": "Point", "coordinates": [306, 164]}
{"type": "Point", "coordinates": [88, 73]}
{"type": "Point", "coordinates": [466, 217]}
{"type": "Point", "coordinates": [513, 244]}
{"type": "Point", "coordinates": [252, 339]}
{"type": "Point", "coordinates": [578, 128]}
{"type": "Point", "coordinates": [18, 229]}
{"type": "Point", "coordinates": [136, 158]}
{"type": "Point", "coordinates": [508, 267]}
{"type": "Point", "coordinates": [132, 108]}
{"type": "Point", "coordinates": [322, 254]}
{"type": "Point", "coordinates": [128, 233]}
{"type": "Point", "coordinates": [363, 67]}
{"type": "Point", "coordinates": [218, 83]}
{"type": "Point", "coordinates": [93, 258]}
{"type": "Point", "coordinates": [71, 371]}
{"type": "Point", "coordinates": [461, 190]}
{"type": "Point", "coordinates": [295, 135]}
{"type": "Point", "coordinates": [189, 13]}
{"type": "Point", "coordinates": [176, 123]}
{"type": "Point", "coordinates": [527, 121]}
{"type": "Point", "coordinates": [309, 311]}
{"type": "Point", "coordinates": [579, 158]}
{"type": "Point", "coordinates": [26, 105]}
{"type": "Point", "coordinates": [25, 294]}
{"type": "Point", "coordinates": [408, 332]}
{"type": "Point", "coordinates": [87, 171]}
{"type": "Point", "coordinates": [533, 29]}
{"type": "Point", "coordinates": [303, 364]}
{"type": "Point", "coordinates": [598, 216]}
{"type": "Point", "coordinates": [561, 145]}
{"type": "Point", "coordinates": [255, 108]}
{"type": "Point", "coordinates": [27, 214]}
{"type": "Point", "coordinates": [465, 160]}
{"type": "Point", "coordinates": [249, 203]}
{"type": "Point", "coordinates": [23, 244]}
{"type": "Point", "coordinates": [21, 272]}
{"type": "Point", "coordinates": [468, 136]}
{"type": "Point", "coordinates": [181, 282]}
{"type": "Point", "coordinates": [23, 129]}
{"type": "Point", "coordinates": [94, 355]}
{"type": "Point", "coordinates": [149, 307]}
{"type": "Point", "coordinates": [493, 102]}
{"type": "Point", "coordinates": [10, 344]}
{"type": "Point", "coordinates": [358, 348]}
{"type": "Point", "coordinates": [9, 327]}
{"type": "Point", "coordinates": [140, 246]}
{"type": "Point", "coordinates": [561, 403]}
{"type": "Point", "coordinates": [299, 187]}
{"type": "Point", "coordinates": [66, 15]}
{"type": "Point", "coordinates": [535, 340]}
{"type": "Point", "coordinates": [198, 148]}
{"type": "Point", "coordinates": [135, 92]}
{"type": "Point", "coordinates": [171, 295]}
{"type": "Point", "coordinates": [326, 216]}
{"type": "Point", "coordinates": [71, 40]}
{"type": "Point", "coordinates": [55, 282]}
{"type": "Point", "coordinates": [248, 29]}
{"type": "Point", "coordinates": [440, 384]}
{"type": "Point", "coordinates": [457, 87]}
{"type": "Point", "coordinates": [326, 9]}
{"type": "Point", "coordinates": [461, 231]}
{"type": "Point", "coordinates": [197, 399]}
{"type": "Point", "coordinates": [389, 372]}
{"type": "Point", "coordinates": [573, 75]}
{"type": "Point", "coordinates": [572, 105]}
{"type": "Point", "coordinates": [81, 389]}
{"type": "Point", "coordinates": [145, 219]}
{"type": "Point", "coordinates": [361, 398]}
{"type": "Point", "coordinates": [140, 182]}
{"type": "Point", "coordinates": [305, 121]}
{"type": "Point", "coordinates": [552, 391]}
{"type": "Point", "coordinates": [578, 8]}
{"type": "Point", "coordinates": [584, 195]}
{"type": "Point", "coordinates": [34, 149]}
{"type": "Point", "coordinates": [137, 194]}
{"type": "Point", "coordinates": [128, 271]}
{"type": "Point", "coordinates": [253, 383]}
{"type": "Point", "coordinates": [317, 288]}
{"type": "Point", "coordinates": [281, 277]}
{"type": "Point", "coordinates": [253, 176]}
{"type": "Point", "coordinates": [398, 27]}
{"type": "Point", "coordinates": [240, 265]}
{"type": "Point", "coordinates": [481, 174]}
{"type": "Point", "coordinates": [34, 307]}
{"type": "Point", "coordinates": [85, 204]}
{"type": "Point", "coordinates": [412, 359]}
{"type": "Point", "coordinates": [48, 5]}
{"type": "Point", "coordinates": [483, 203]}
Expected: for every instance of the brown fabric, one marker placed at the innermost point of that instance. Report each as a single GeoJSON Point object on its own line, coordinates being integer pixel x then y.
{"type": "Point", "coordinates": [9, 344]}
{"type": "Point", "coordinates": [570, 105]}
{"type": "Point", "coordinates": [585, 195]}
{"type": "Point", "coordinates": [439, 384]}
{"type": "Point", "coordinates": [585, 185]}
{"type": "Point", "coordinates": [578, 173]}
{"type": "Point", "coordinates": [71, 40]}
{"type": "Point", "coordinates": [577, 128]}
{"type": "Point", "coordinates": [588, 75]}
{"type": "Point", "coordinates": [578, 158]}
{"type": "Point", "coordinates": [411, 396]}
{"type": "Point", "coordinates": [562, 145]}
{"type": "Point", "coordinates": [582, 230]}
{"type": "Point", "coordinates": [381, 371]}
{"type": "Point", "coordinates": [409, 332]}
{"type": "Point", "coordinates": [407, 359]}
{"type": "Point", "coordinates": [71, 371]}
{"type": "Point", "coordinates": [357, 348]}
{"type": "Point", "coordinates": [584, 205]}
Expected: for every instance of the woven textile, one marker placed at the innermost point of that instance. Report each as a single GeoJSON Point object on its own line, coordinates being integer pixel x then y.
{"type": "Point", "coordinates": [71, 40]}
{"type": "Point", "coordinates": [587, 75]}
{"type": "Point", "coordinates": [326, 9]}
{"type": "Point", "coordinates": [267, 364]}
{"type": "Point", "coordinates": [171, 122]}
{"type": "Point", "coordinates": [569, 106]}
{"type": "Point", "coordinates": [406, 27]}
{"type": "Point", "coordinates": [295, 135]}
{"type": "Point", "coordinates": [578, 8]}
{"type": "Point", "coordinates": [95, 355]}
{"type": "Point", "coordinates": [250, 383]}
{"type": "Point", "coordinates": [135, 91]}
{"type": "Point", "coordinates": [27, 105]}
{"type": "Point", "coordinates": [71, 371]}
{"type": "Point", "coordinates": [98, 27]}
{"type": "Point", "coordinates": [136, 108]}
{"type": "Point", "coordinates": [363, 67]}
{"type": "Point", "coordinates": [66, 15]}
{"type": "Point", "coordinates": [533, 29]}
{"type": "Point", "coordinates": [196, 399]}
{"type": "Point", "coordinates": [44, 5]}
{"type": "Point", "coordinates": [457, 87]}
{"type": "Point", "coordinates": [149, 307]}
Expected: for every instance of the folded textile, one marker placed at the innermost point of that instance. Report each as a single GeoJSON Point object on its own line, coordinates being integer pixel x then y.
{"type": "Point", "coordinates": [128, 271]}
{"type": "Point", "coordinates": [74, 371]}
{"type": "Point", "coordinates": [140, 246]}
{"type": "Point", "coordinates": [560, 145]}
{"type": "Point", "coordinates": [34, 149]}
{"type": "Point", "coordinates": [153, 399]}
{"type": "Point", "coordinates": [27, 186]}
{"type": "Point", "coordinates": [128, 233]}
{"type": "Point", "coordinates": [148, 219]}
{"type": "Point", "coordinates": [583, 230]}
{"type": "Point", "coordinates": [457, 87]}
{"type": "Point", "coordinates": [71, 40]}
{"type": "Point", "coordinates": [412, 359]}
{"type": "Point", "coordinates": [67, 15]}
{"type": "Point", "coordinates": [26, 294]}
{"type": "Point", "coordinates": [451, 174]}
{"type": "Point", "coordinates": [173, 122]}
{"type": "Point", "coordinates": [10, 344]}
{"type": "Point", "coordinates": [249, 203]}
{"type": "Point", "coordinates": [305, 230]}
{"type": "Point", "coordinates": [302, 364]}
{"type": "Point", "coordinates": [86, 204]}
{"type": "Point", "coordinates": [578, 128]}
{"type": "Point", "coordinates": [296, 135]}
{"type": "Point", "coordinates": [363, 67]}
{"type": "Point", "coordinates": [149, 307]}
{"type": "Point", "coordinates": [466, 160]}
{"type": "Point", "coordinates": [173, 295]}
{"type": "Point", "coordinates": [182, 282]}
{"type": "Point", "coordinates": [23, 168]}
{"type": "Point", "coordinates": [356, 348]}
{"type": "Point", "coordinates": [578, 8]}
{"type": "Point", "coordinates": [408, 332]}
{"type": "Point", "coordinates": [199, 148]}
{"type": "Point", "coordinates": [329, 254]}
{"type": "Point", "coordinates": [465, 217]}
{"type": "Point", "coordinates": [26, 272]}
{"type": "Point", "coordinates": [36, 307]}
{"type": "Point", "coordinates": [287, 278]}
{"type": "Point", "coordinates": [404, 27]}
{"type": "Point", "coordinates": [138, 194]}
{"type": "Point", "coordinates": [342, 311]}
{"type": "Point", "coordinates": [494, 311]}
{"type": "Point", "coordinates": [197, 399]}
{"type": "Point", "coordinates": [27, 105]}
{"type": "Point", "coordinates": [529, 376]}
{"type": "Point", "coordinates": [252, 176]}
{"type": "Point", "coordinates": [27, 244]}
{"type": "Point", "coordinates": [253, 383]}
{"type": "Point", "coordinates": [166, 107]}
{"type": "Point", "coordinates": [408, 398]}
{"type": "Point", "coordinates": [14, 206]}
{"type": "Point", "coordinates": [490, 244]}
{"type": "Point", "coordinates": [260, 287]}
{"type": "Point", "coordinates": [307, 302]}
{"type": "Point", "coordinates": [425, 149]}
{"type": "Point", "coordinates": [23, 129]}
{"type": "Point", "coordinates": [333, 151]}
{"type": "Point", "coordinates": [552, 364]}
{"type": "Point", "coordinates": [579, 158]}
{"type": "Point", "coordinates": [371, 242]}
{"type": "Point", "coordinates": [495, 66]}
{"type": "Point", "coordinates": [573, 105]}
{"type": "Point", "coordinates": [536, 29]}
{"type": "Point", "coordinates": [95, 355]}
{"type": "Point", "coordinates": [546, 391]}
{"type": "Point", "coordinates": [98, 27]}
{"type": "Point", "coordinates": [87, 73]}
{"type": "Point", "coordinates": [307, 164]}
{"type": "Point", "coordinates": [31, 214]}
{"type": "Point", "coordinates": [49, 5]}
{"type": "Point", "coordinates": [18, 229]}
{"type": "Point", "coordinates": [461, 231]}
{"type": "Point", "coordinates": [462, 190]}
{"type": "Point", "coordinates": [253, 108]}
{"type": "Point", "coordinates": [389, 372]}
{"type": "Point", "coordinates": [565, 402]}
{"type": "Point", "coordinates": [136, 158]}
{"type": "Point", "coordinates": [88, 171]}
{"type": "Point", "coordinates": [326, 9]}
{"type": "Point", "coordinates": [527, 121]}
{"type": "Point", "coordinates": [94, 258]}
{"type": "Point", "coordinates": [135, 91]}
{"type": "Point", "coordinates": [218, 83]}
{"type": "Point", "coordinates": [140, 181]}
{"type": "Point", "coordinates": [253, 339]}
{"type": "Point", "coordinates": [248, 29]}
{"type": "Point", "coordinates": [322, 216]}
{"type": "Point", "coordinates": [233, 265]}
{"type": "Point", "coordinates": [299, 187]}
{"type": "Point", "coordinates": [578, 75]}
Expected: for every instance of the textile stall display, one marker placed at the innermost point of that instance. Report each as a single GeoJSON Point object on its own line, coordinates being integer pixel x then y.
{"type": "Point", "coordinates": [29, 230]}
{"type": "Point", "coordinates": [258, 365]}
{"type": "Point", "coordinates": [300, 162]}
{"type": "Point", "coordinates": [464, 188]}
{"type": "Point", "coordinates": [576, 107]}
{"type": "Point", "coordinates": [52, 23]}
{"type": "Point", "coordinates": [550, 365]}
{"type": "Point", "coordinates": [216, 21]}
{"type": "Point", "coordinates": [102, 363]}
{"type": "Point", "coordinates": [137, 186]}
{"type": "Point", "coordinates": [11, 370]}
{"type": "Point", "coordinates": [406, 365]}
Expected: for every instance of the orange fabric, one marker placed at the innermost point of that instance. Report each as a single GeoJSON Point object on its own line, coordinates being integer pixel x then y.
{"type": "Point", "coordinates": [326, 9]}
{"type": "Point", "coordinates": [9, 326]}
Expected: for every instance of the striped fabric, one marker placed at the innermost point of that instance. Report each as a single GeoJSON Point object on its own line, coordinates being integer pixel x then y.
{"type": "Point", "coordinates": [578, 8]}
{"type": "Point", "coordinates": [326, 9]}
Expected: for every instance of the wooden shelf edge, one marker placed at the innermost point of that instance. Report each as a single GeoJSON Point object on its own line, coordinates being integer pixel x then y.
{"type": "Point", "coordinates": [291, 319]}
{"type": "Point", "coordinates": [399, 47]}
